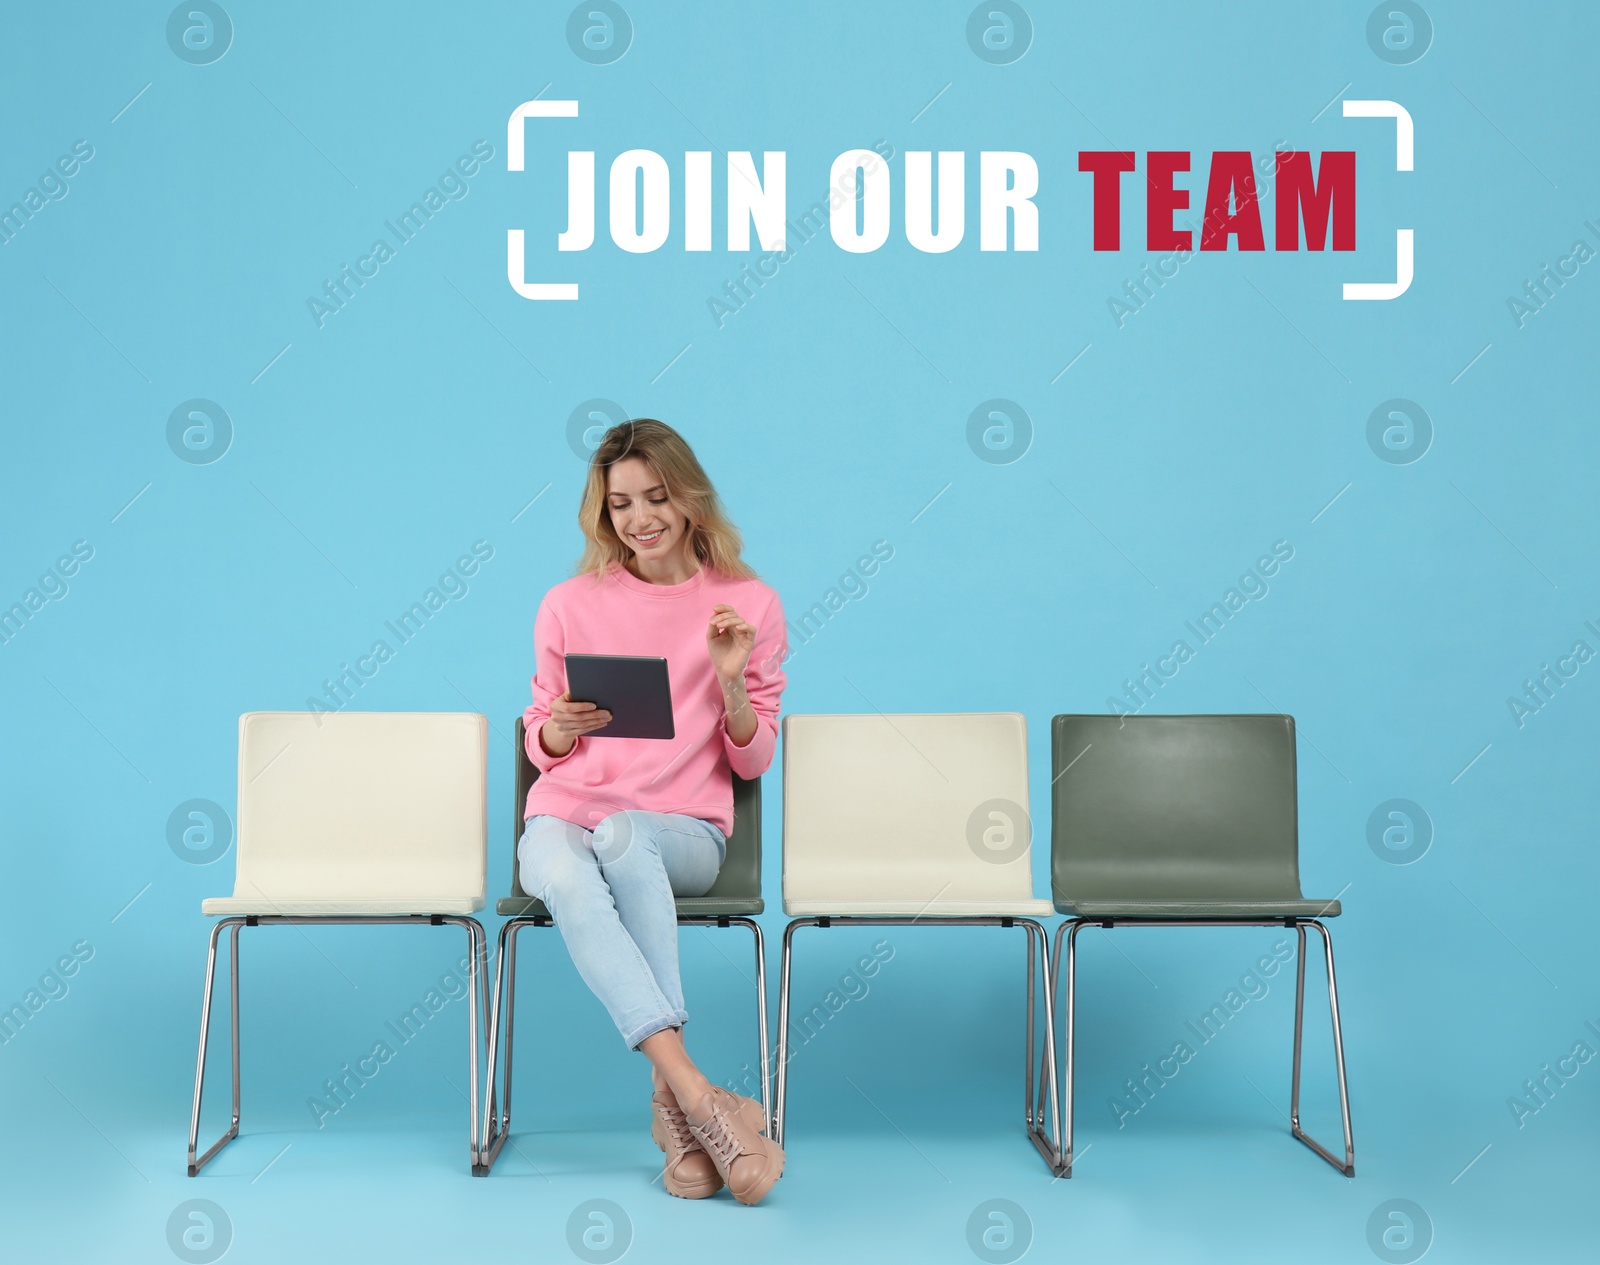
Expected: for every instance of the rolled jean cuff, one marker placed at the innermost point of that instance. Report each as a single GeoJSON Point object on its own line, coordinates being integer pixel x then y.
{"type": "Point", "coordinates": [652, 1026]}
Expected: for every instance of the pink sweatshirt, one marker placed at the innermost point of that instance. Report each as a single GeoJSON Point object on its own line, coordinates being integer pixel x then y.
{"type": "Point", "coordinates": [690, 773]}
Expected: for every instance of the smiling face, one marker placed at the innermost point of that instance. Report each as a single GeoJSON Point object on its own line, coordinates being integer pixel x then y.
{"type": "Point", "coordinates": [644, 517]}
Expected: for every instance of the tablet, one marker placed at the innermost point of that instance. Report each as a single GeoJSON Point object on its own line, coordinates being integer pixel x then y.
{"type": "Point", "coordinates": [633, 688]}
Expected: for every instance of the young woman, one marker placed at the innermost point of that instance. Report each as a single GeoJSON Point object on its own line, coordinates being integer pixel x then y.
{"type": "Point", "coordinates": [616, 827]}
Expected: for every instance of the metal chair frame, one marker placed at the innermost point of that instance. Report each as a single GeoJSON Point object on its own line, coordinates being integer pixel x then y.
{"type": "Point", "coordinates": [476, 939]}
{"type": "Point", "coordinates": [497, 1119]}
{"type": "Point", "coordinates": [1033, 1113]}
{"type": "Point", "coordinates": [497, 1108]}
{"type": "Point", "coordinates": [1072, 926]}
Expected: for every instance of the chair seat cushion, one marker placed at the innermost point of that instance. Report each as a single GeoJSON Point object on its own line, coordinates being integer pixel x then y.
{"type": "Point", "coordinates": [688, 907]}
{"type": "Point", "coordinates": [1021, 908]}
{"type": "Point", "coordinates": [1198, 909]}
{"type": "Point", "coordinates": [236, 906]}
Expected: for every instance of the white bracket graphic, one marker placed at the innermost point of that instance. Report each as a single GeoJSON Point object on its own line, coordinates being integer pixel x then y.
{"type": "Point", "coordinates": [553, 110]}
{"type": "Point", "coordinates": [515, 133]}
{"type": "Point", "coordinates": [1404, 151]}
{"type": "Point", "coordinates": [1386, 289]}
{"type": "Point", "coordinates": [1403, 129]}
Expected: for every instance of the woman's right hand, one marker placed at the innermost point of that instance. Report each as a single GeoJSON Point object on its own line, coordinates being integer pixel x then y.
{"type": "Point", "coordinates": [568, 722]}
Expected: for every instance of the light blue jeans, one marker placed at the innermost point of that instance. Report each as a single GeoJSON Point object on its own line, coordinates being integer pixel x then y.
{"type": "Point", "coordinates": [610, 892]}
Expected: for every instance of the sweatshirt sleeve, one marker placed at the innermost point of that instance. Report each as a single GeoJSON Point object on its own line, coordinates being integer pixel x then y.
{"type": "Point", "coordinates": [549, 682]}
{"type": "Point", "coordinates": [764, 680]}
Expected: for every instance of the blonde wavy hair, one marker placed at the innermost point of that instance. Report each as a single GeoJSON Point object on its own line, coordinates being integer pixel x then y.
{"type": "Point", "coordinates": [715, 540]}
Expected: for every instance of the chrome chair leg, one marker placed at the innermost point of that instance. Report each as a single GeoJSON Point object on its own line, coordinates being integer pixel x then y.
{"type": "Point", "coordinates": [233, 1017]}
{"type": "Point", "coordinates": [781, 1071]}
{"type": "Point", "coordinates": [1069, 929]}
{"type": "Point", "coordinates": [1049, 1148]}
{"type": "Point", "coordinates": [497, 1128]}
{"type": "Point", "coordinates": [477, 947]}
{"type": "Point", "coordinates": [491, 1101]}
{"type": "Point", "coordinates": [1348, 1166]}
{"type": "Point", "coordinates": [1027, 1053]}
{"type": "Point", "coordinates": [197, 1162]}
{"type": "Point", "coordinates": [762, 1034]}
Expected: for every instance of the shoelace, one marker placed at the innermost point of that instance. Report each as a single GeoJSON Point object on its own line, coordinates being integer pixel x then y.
{"type": "Point", "coordinates": [677, 1127]}
{"type": "Point", "coordinates": [718, 1138]}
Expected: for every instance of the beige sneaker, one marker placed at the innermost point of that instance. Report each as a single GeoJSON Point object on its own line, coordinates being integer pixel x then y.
{"type": "Point", "coordinates": [732, 1130]}
{"type": "Point", "coordinates": [688, 1172]}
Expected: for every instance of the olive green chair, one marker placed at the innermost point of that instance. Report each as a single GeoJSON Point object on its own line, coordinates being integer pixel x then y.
{"type": "Point", "coordinates": [733, 901]}
{"type": "Point", "coordinates": [1183, 821]}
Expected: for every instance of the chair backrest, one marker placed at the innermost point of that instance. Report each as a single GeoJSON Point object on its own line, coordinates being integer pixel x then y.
{"type": "Point", "coordinates": [362, 806]}
{"type": "Point", "coordinates": [1174, 808]}
{"type": "Point", "coordinates": [740, 875]}
{"type": "Point", "coordinates": [910, 807]}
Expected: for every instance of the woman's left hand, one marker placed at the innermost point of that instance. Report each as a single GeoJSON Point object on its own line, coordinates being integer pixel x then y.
{"type": "Point", "coordinates": [730, 640]}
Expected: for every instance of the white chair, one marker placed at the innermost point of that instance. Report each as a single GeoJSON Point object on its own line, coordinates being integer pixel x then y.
{"type": "Point", "coordinates": [371, 818]}
{"type": "Point", "coordinates": [902, 820]}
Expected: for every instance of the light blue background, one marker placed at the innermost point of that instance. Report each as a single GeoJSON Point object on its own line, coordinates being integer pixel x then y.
{"type": "Point", "coordinates": [831, 411]}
